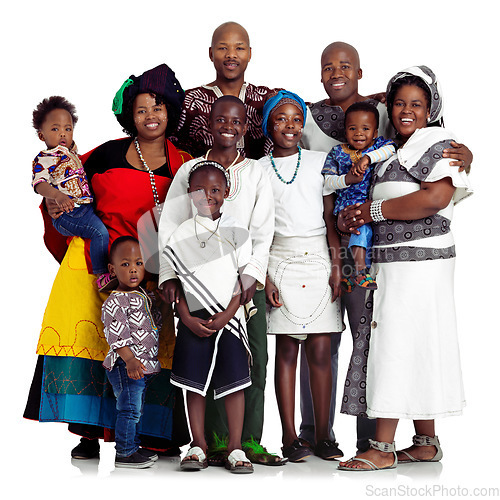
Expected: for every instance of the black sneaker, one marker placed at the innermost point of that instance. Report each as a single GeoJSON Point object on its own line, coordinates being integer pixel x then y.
{"type": "Point", "coordinates": [327, 450]}
{"type": "Point", "coordinates": [87, 449]}
{"type": "Point", "coordinates": [296, 451]}
{"type": "Point", "coordinates": [134, 461]}
{"type": "Point", "coordinates": [152, 455]}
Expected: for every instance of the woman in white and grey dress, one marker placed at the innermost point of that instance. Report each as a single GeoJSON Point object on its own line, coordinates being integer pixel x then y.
{"type": "Point", "coordinates": [413, 367]}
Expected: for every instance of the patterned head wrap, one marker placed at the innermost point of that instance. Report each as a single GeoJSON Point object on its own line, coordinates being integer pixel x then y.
{"type": "Point", "coordinates": [209, 163]}
{"type": "Point", "coordinates": [278, 99]}
{"type": "Point", "coordinates": [430, 80]}
{"type": "Point", "coordinates": [160, 81]}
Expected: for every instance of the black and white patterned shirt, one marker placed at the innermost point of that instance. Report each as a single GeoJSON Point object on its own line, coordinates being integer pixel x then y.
{"type": "Point", "coordinates": [128, 322]}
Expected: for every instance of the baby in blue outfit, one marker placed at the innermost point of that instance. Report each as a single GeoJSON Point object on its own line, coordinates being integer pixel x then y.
{"type": "Point", "coordinates": [348, 170]}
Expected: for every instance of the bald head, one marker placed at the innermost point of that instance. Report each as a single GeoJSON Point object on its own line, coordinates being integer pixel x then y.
{"type": "Point", "coordinates": [337, 47]}
{"type": "Point", "coordinates": [230, 27]}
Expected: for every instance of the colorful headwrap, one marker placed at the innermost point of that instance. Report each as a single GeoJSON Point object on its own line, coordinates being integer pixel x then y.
{"type": "Point", "coordinates": [278, 99]}
{"type": "Point", "coordinates": [430, 80]}
{"type": "Point", "coordinates": [160, 80]}
{"type": "Point", "coordinates": [209, 163]}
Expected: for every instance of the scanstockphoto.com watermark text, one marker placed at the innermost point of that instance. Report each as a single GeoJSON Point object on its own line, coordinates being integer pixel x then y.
{"type": "Point", "coordinates": [433, 490]}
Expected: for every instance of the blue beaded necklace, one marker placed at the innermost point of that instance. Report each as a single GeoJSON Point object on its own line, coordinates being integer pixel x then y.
{"type": "Point", "coordinates": [296, 168]}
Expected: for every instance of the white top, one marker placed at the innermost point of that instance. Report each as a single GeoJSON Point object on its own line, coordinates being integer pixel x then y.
{"type": "Point", "coordinates": [408, 156]}
{"type": "Point", "coordinates": [315, 139]}
{"type": "Point", "coordinates": [250, 202]}
{"type": "Point", "coordinates": [299, 205]}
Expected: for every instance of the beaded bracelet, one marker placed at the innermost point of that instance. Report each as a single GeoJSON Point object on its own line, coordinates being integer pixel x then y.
{"type": "Point", "coordinates": [376, 211]}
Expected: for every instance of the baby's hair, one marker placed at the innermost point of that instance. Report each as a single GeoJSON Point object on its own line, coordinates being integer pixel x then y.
{"type": "Point", "coordinates": [209, 165]}
{"type": "Point", "coordinates": [363, 106]}
{"type": "Point", "coordinates": [411, 80]}
{"type": "Point", "coordinates": [48, 105]}
{"type": "Point", "coordinates": [230, 99]}
{"type": "Point", "coordinates": [119, 241]}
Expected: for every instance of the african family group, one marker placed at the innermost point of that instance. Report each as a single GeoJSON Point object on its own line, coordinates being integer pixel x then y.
{"type": "Point", "coordinates": [233, 215]}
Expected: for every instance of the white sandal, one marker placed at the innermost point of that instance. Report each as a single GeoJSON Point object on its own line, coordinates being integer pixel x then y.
{"type": "Point", "coordinates": [376, 445]}
{"type": "Point", "coordinates": [190, 463]}
{"type": "Point", "coordinates": [421, 440]}
{"type": "Point", "coordinates": [238, 456]}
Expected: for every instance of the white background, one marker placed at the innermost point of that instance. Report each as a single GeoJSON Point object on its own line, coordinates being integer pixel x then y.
{"type": "Point", "coordinates": [85, 50]}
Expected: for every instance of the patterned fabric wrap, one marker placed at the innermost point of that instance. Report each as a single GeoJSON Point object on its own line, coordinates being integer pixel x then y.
{"type": "Point", "coordinates": [429, 78]}
{"type": "Point", "coordinates": [399, 231]}
{"type": "Point", "coordinates": [61, 168]}
{"type": "Point", "coordinates": [281, 97]}
{"type": "Point", "coordinates": [354, 398]}
{"type": "Point", "coordinates": [410, 254]}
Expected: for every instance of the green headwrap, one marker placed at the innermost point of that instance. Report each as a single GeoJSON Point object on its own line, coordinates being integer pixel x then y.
{"type": "Point", "coordinates": [118, 99]}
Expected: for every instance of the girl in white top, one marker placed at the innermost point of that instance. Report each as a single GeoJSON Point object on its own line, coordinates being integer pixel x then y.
{"type": "Point", "coordinates": [303, 280]}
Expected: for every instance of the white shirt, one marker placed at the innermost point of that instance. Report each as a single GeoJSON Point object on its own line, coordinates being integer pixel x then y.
{"type": "Point", "coordinates": [250, 202]}
{"type": "Point", "coordinates": [299, 205]}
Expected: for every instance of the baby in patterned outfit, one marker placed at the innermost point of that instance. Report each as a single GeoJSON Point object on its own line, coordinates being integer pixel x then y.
{"type": "Point", "coordinates": [348, 171]}
{"type": "Point", "coordinates": [58, 174]}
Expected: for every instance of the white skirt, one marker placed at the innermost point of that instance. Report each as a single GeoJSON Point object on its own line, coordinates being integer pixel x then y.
{"type": "Point", "coordinates": [414, 361]}
{"type": "Point", "coordinates": [300, 269]}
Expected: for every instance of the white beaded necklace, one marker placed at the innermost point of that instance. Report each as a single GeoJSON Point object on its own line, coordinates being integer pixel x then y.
{"type": "Point", "coordinates": [151, 174]}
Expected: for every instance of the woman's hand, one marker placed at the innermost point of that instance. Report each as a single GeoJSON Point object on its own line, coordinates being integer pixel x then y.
{"type": "Point", "coordinates": [353, 216]}
{"type": "Point", "coordinates": [171, 291]}
{"type": "Point", "coordinates": [64, 202]}
{"type": "Point", "coordinates": [461, 155]}
{"type": "Point", "coordinates": [53, 208]}
{"type": "Point", "coordinates": [272, 294]}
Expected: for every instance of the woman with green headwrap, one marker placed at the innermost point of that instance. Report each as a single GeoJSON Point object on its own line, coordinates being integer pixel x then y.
{"type": "Point", "coordinates": [129, 179]}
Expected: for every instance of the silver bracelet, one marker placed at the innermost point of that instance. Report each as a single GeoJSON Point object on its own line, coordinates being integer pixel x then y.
{"type": "Point", "coordinates": [376, 211]}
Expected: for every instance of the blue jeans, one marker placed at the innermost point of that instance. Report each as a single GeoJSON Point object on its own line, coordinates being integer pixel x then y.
{"type": "Point", "coordinates": [83, 222]}
{"type": "Point", "coordinates": [129, 395]}
{"type": "Point", "coordinates": [364, 240]}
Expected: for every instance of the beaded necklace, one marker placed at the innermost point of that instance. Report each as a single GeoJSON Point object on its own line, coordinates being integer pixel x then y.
{"type": "Point", "coordinates": [296, 168]}
{"type": "Point", "coordinates": [151, 174]}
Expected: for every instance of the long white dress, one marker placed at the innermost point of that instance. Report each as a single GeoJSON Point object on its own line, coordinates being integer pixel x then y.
{"type": "Point", "coordinates": [413, 368]}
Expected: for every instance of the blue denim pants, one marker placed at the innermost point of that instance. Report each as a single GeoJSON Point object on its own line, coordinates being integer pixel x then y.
{"type": "Point", "coordinates": [83, 222]}
{"type": "Point", "coordinates": [129, 395]}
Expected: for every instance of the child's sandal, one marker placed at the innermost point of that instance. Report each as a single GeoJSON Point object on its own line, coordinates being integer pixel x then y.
{"type": "Point", "coordinates": [347, 285]}
{"type": "Point", "coordinates": [364, 280]}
